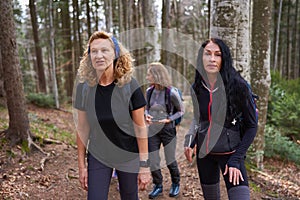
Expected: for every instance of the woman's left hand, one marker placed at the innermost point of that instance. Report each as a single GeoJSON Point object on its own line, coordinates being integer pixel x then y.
{"type": "Point", "coordinates": [234, 175]}
{"type": "Point", "coordinates": [144, 178]}
{"type": "Point", "coordinates": [164, 121]}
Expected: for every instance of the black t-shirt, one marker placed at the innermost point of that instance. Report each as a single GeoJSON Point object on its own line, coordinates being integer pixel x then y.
{"type": "Point", "coordinates": [112, 136]}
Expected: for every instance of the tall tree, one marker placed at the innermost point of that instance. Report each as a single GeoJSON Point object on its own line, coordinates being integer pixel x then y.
{"type": "Point", "coordinates": [296, 44]}
{"type": "Point", "coordinates": [260, 71]}
{"type": "Point", "coordinates": [88, 17]}
{"type": "Point", "coordinates": [230, 20]}
{"type": "Point", "coordinates": [38, 49]}
{"type": "Point", "coordinates": [67, 48]}
{"type": "Point", "coordinates": [52, 52]}
{"type": "Point", "coordinates": [150, 23]}
{"type": "Point", "coordinates": [108, 15]}
{"type": "Point", "coordinates": [289, 37]}
{"type": "Point", "coordinates": [19, 128]}
{"type": "Point", "coordinates": [76, 34]}
{"type": "Point", "coordinates": [165, 24]}
{"type": "Point", "coordinates": [275, 55]}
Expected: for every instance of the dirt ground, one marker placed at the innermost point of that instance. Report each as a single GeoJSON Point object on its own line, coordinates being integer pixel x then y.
{"type": "Point", "coordinates": [54, 174]}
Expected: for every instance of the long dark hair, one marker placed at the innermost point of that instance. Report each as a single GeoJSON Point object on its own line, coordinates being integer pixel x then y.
{"type": "Point", "coordinates": [235, 86]}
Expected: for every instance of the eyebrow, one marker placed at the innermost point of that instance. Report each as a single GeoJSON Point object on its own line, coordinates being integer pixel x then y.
{"type": "Point", "coordinates": [212, 50]}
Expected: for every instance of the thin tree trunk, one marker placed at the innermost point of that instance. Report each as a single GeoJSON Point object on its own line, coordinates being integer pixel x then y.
{"type": "Point", "coordinates": [88, 17]}
{"type": "Point", "coordinates": [121, 14]}
{"type": "Point", "coordinates": [260, 71]}
{"type": "Point", "coordinates": [52, 49]}
{"type": "Point", "coordinates": [288, 43]}
{"type": "Point", "coordinates": [295, 63]}
{"type": "Point", "coordinates": [38, 49]}
{"type": "Point", "coordinates": [277, 35]}
{"type": "Point", "coordinates": [108, 15]}
{"type": "Point", "coordinates": [165, 58]}
{"type": "Point", "coordinates": [19, 128]}
{"type": "Point", "coordinates": [67, 49]}
{"type": "Point", "coordinates": [76, 43]}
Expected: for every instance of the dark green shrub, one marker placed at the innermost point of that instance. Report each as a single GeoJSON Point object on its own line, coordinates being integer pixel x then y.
{"type": "Point", "coordinates": [284, 106]}
{"type": "Point", "coordinates": [42, 100]}
{"type": "Point", "coordinates": [280, 146]}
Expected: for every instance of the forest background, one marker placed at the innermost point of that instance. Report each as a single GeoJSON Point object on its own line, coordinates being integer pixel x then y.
{"type": "Point", "coordinates": [42, 42]}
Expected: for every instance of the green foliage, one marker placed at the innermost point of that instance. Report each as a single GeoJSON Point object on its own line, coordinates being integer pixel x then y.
{"type": "Point", "coordinates": [284, 105]}
{"type": "Point", "coordinates": [42, 100]}
{"type": "Point", "coordinates": [46, 130]}
{"type": "Point", "coordinates": [280, 146]}
{"type": "Point", "coordinates": [25, 147]}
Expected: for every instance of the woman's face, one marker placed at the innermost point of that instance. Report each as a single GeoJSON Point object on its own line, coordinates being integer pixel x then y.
{"type": "Point", "coordinates": [102, 54]}
{"type": "Point", "coordinates": [149, 77]}
{"type": "Point", "coordinates": [212, 60]}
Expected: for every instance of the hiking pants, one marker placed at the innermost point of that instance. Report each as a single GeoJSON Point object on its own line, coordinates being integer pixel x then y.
{"type": "Point", "coordinates": [99, 177]}
{"type": "Point", "coordinates": [166, 137]}
{"type": "Point", "coordinates": [209, 171]}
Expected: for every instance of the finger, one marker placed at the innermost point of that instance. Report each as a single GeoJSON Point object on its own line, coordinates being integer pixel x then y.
{"type": "Point", "coordinates": [86, 183]}
{"type": "Point", "coordinates": [226, 170]}
{"type": "Point", "coordinates": [186, 153]}
{"type": "Point", "coordinates": [190, 155]}
{"type": "Point", "coordinates": [230, 175]}
{"type": "Point", "coordinates": [241, 175]}
{"type": "Point", "coordinates": [234, 177]}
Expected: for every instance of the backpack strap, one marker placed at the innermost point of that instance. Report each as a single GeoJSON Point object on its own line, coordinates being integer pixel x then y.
{"type": "Point", "coordinates": [168, 99]}
{"type": "Point", "coordinates": [148, 96]}
{"type": "Point", "coordinates": [126, 91]}
{"type": "Point", "coordinates": [84, 93]}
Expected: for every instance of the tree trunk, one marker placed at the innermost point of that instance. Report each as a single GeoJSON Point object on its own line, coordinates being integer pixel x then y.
{"type": "Point", "coordinates": [76, 43]}
{"type": "Point", "coordinates": [165, 57]}
{"type": "Point", "coordinates": [2, 91]}
{"type": "Point", "coordinates": [67, 49]}
{"type": "Point", "coordinates": [230, 21]}
{"type": "Point", "coordinates": [296, 42]}
{"type": "Point", "coordinates": [38, 49]}
{"type": "Point", "coordinates": [52, 49]}
{"type": "Point", "coordinates": [277, 36]}
{"type": "Point", "coordinates": [289, 44]}
{"type": "Point", "coordinates": [150, 23]}
{"type": "Point", "coordinates": [88, 17]}
{"type": "Point", "coordinates": [108, 15]}
{"type": "Point", "coordinates": [260, 71]}
{"type": "Point", "coordinates": [19, 129]}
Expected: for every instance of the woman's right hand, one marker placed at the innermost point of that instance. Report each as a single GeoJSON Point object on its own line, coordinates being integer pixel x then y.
{"type": "Point", "coordinates": [188, 152]}
{"type": "Point", "coordinates": [148, 118]}
{"type": "Point", "coordinates": [83, 178]}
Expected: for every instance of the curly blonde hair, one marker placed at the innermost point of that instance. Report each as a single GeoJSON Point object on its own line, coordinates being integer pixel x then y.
{"type": "Point", "coordinates": [160, 75]}
{"type": "Point", "coordinates": [123, 68]}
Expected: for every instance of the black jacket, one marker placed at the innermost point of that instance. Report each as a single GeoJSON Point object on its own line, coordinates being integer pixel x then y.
{"type": "Point", "coordinates": [210, 105]}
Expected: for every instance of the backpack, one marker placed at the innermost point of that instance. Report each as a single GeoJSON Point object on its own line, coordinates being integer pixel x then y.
{"type": "Point", "coordinates": [254, 98]}
{"type": "Point", "coordinates": [167, 100]}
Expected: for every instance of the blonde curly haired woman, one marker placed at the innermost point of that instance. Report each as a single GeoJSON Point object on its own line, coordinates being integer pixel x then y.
{"type": "Point", "coordinates": [111, 130]}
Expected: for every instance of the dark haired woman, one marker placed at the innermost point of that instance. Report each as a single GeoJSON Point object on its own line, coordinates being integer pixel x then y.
{"type": "Point", "coordinates": [222, 104]}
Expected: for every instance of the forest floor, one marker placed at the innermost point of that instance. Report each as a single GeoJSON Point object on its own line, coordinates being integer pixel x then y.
{"type": "Point", "coordinates": [52, 173]}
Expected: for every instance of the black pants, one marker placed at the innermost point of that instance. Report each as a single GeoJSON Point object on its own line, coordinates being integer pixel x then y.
{"type": "Point", "coordinates": [167, 137]}
{"type": "Point", "coordinates": [209, 170]}
{"type": "Point", "coordinates": [99, 177]}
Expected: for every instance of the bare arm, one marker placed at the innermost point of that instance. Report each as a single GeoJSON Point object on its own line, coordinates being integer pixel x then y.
{"type": "Point", "coordinates": [83, 129]}
{"type": "Point", "coordinates": [141, 132]}
{"type": "Point", "coordinates": [142, 140]}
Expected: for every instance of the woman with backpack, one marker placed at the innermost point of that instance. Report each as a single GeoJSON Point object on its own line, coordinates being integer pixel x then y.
{"type": "Point", "coordinates": [222, 104]}
{"type": "Point", "coordinates": [164, 106]}
{"type": "Point", "coordinates": [111, 130]}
